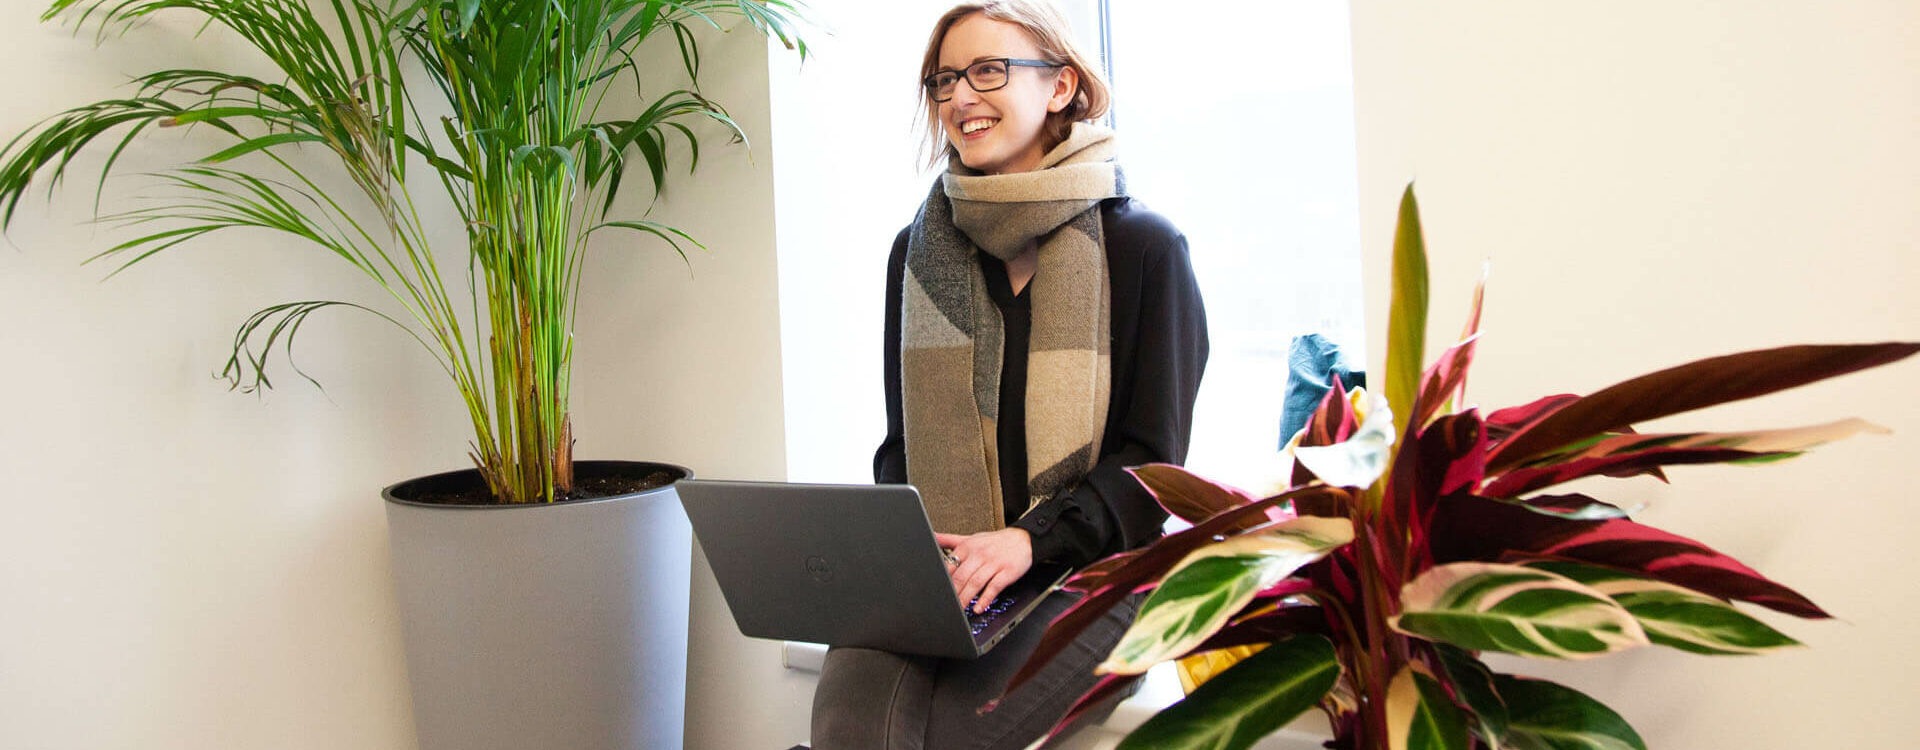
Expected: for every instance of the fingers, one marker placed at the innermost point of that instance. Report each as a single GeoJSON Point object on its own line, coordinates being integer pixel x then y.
{"type": "Point", "coordinates": [984, 565]}
{"type": "Point", "coordinates": [982, 583]}
{"type": "Point", "coordinates": [996, 584]}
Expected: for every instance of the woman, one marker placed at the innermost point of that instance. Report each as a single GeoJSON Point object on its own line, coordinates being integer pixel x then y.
{"type": "Point", "coordinates": [1043, 333]}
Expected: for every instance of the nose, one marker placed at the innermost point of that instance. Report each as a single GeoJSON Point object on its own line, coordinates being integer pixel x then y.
{"type": "Point", "coordinates": [964, 93]}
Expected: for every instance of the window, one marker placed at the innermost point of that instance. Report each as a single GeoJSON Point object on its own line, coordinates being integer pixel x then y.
{"type": "Point", "coordinates": [1237, 124]}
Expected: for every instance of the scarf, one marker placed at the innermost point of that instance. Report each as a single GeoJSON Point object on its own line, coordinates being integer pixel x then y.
{"type": "Point", "coordinates": [953, 339]}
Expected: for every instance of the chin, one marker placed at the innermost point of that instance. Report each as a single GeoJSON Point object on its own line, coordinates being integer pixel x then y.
{"type": "Point", "coordinates": [979, 161]}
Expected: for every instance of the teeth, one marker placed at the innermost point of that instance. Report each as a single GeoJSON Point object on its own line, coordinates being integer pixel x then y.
{"type": "Point", "coordinates": [972, 126]}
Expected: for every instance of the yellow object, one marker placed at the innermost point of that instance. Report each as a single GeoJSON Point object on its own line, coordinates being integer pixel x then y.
{"type": "Point", "coordinates": [1197, 668]}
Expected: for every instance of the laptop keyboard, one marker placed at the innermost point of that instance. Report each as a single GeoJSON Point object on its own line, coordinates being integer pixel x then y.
{"type": "Point", "coordinates": [977, 623]}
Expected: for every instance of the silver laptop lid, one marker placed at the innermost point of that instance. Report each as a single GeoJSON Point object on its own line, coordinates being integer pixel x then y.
{"type": "Point", "coordinates": [844, 565]}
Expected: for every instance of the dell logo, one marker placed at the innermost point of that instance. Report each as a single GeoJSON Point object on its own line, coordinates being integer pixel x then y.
{"type": "Point", "coordinates": [818, 568]}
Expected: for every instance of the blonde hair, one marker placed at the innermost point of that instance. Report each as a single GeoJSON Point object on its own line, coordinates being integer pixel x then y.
{"type": "Point", "coordinates": [1050, 32]}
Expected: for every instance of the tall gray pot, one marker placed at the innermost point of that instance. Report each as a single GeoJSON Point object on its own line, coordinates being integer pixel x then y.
{"type": "Point", "coordinates": [544, 626]}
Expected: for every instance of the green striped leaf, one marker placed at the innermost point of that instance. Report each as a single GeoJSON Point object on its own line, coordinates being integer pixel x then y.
{"type": "Point", "coordinates": [1473, 684]}
{"type": "Point", "coordinates": [1211, 584]}
{"type": "Point", "coordinates": [1547, 716]}
{"type": "Point", "coordinates": [1515, 609]}
{"type": "Point", "coordinates": [1676, 616]}
{"type": "Point", "coordinates": [1251, 700]}
{"type": "Point", "coordinates": [1420, 716]}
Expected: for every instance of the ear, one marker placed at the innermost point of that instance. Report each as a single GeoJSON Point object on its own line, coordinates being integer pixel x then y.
{"type": "Point", "coordinates": [1065, 86]}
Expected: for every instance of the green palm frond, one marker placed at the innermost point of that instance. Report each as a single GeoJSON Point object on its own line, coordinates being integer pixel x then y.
{"type": "Point", "coordinates": [525, 157]}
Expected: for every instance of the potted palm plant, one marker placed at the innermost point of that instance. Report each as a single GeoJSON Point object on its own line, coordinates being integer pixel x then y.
{"type": "Point", "coordinates": [1413, 536]}
{"type": "Point", "coordinates": [518, 577]}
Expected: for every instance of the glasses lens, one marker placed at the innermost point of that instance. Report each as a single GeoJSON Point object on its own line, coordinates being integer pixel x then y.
{"type": "Point", "coordinates": [987, 75]}
{"type": "Point", "coordinates": [941, 84]}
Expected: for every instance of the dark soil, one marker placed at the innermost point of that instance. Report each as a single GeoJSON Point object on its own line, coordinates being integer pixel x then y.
{"type": "Point", "coordinates": [592, 479]}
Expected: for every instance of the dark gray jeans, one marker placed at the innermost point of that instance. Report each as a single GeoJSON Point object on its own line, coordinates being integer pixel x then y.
{"type": "Point", "coordinates": [873, 700]}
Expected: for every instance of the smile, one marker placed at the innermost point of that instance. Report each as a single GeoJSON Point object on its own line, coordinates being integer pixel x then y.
{"type": "Point", "coordinates": [976, 125]}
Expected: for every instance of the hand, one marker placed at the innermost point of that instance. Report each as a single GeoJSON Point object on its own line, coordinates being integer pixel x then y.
{"type": "Point", "coordinates": [987, 563]}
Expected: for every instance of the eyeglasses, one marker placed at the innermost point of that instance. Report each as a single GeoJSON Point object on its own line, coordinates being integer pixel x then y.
{"type": "Point", "coordinates": [983, 76]}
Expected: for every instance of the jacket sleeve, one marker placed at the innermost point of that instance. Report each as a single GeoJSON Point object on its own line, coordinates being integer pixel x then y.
{"type": "Point", "coordinates": [890, 461]}
{"type": "Point", "coordinates": [1150, 422]}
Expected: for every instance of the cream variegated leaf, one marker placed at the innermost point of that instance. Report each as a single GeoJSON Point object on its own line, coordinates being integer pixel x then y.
{"type": "Point", "coordinates": [1212, 584]}
{"type": "Point", "coordinates": [1679, 617]}
{"type": "Point", "coordinates": [1517, 610]}
{"type": "Point", "coordinates": [1359, 460]}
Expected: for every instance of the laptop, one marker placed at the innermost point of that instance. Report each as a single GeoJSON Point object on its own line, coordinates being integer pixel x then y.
{"type": "Point", "coordinates": [845, 565]}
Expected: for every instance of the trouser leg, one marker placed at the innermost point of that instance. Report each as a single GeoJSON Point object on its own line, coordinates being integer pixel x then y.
{"type": "Point", "coordinates": [962, 687]}
{"type": "Point", "coordinates": [872, 700]}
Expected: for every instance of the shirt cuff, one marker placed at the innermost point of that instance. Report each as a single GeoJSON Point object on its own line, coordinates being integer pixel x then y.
{"type": "Point", "coordinates": [1040, 525]}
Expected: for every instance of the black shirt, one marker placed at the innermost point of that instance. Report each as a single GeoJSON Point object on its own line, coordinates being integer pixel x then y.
{"type": "Point", "coordinates": [1159, 351]}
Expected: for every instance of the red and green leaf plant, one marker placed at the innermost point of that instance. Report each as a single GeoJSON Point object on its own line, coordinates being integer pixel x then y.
{"type": "Point", "coordinates": [1373, 584]}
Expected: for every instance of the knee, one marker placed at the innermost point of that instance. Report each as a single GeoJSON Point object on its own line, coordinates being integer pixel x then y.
{"type": "Point", "coordinates": [866, 699]}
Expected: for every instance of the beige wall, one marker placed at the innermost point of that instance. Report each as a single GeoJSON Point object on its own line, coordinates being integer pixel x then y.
{"type": "Point", "coordinates": [683, 364]}
{"type": "Point", "coordinates": [1656, 182]}
{"type": "Point", "coordinates": [187, 568]}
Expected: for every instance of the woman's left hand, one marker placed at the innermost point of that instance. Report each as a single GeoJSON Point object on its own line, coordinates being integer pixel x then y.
{"type": "Point", "coordinates": [986, 563]}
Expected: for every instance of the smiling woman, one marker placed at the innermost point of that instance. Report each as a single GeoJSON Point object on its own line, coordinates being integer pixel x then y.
{"type": "Point", "coordinates": [1044, 331]}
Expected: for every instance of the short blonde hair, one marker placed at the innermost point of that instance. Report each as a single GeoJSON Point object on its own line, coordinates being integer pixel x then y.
{"type": "Point", "coordinates": [1052, 34]}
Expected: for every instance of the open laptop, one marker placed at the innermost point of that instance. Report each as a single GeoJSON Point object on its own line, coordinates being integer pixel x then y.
{"type": "Point", "coordinates": [845, 565]}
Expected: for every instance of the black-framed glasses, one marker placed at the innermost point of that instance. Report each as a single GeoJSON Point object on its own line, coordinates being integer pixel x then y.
{"type": "Point", "coordinates": [983, 76]}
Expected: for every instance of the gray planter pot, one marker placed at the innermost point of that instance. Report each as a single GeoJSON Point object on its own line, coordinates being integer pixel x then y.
{"type": "Point", "coordinates": [544, 626]}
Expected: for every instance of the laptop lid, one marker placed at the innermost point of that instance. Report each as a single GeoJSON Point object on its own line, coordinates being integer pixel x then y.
{"type": "Point", "coordinates": [844, 565]}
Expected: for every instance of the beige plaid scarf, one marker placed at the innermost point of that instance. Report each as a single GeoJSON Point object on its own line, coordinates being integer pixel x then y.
{"type": "Point", "coordinates": [953, 337]}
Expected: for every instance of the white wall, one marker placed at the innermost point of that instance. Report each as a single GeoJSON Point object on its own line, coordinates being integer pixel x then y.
{"type": "Point", "coordinates": [186, 568]}
{"type": "Point", "coordinates": [1657, 182]}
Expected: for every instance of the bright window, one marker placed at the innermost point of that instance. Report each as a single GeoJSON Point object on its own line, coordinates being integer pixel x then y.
{"type": "Point", "coordinates": [1237, 124]}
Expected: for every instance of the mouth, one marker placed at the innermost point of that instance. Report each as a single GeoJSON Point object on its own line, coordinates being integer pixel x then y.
{"type": "Point", "coordinates": [977, 127]}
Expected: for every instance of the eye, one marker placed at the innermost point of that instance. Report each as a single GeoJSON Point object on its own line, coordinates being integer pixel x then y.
{"type": "Point", "coordinates": [990, 68]}
{"type": "Point", "coordinates": [945, 79]}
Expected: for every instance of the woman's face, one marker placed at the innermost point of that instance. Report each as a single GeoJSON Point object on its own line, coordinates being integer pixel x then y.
{"type": "Point", "coordinates": [999, 131]}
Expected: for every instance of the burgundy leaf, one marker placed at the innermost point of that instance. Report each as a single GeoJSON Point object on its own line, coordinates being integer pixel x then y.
{"type": "Point", "coordinates": [1106, 689]}
{"type": "Point", "coordinates": [1335, 505]}
{"type": "Point", "coordinates": [1692, 386]}
{"type": "Point", "coordinates": [1092, 577]}
{"type": "Point", "coordinates": [1333, 422]}
{"type": "Point", "coordinates": [1285, 588]}
{"type": "Point", "coordinates": [1758, 441]}
{"type": "Point", "coordinates": [1445, 376]}
{"type": "Point", "coordinates": [1146, 567]}
{"type": "Point", "coordinates": [1334, 578]}
{"type": "Point", "coordinates": [1503, 423]}
{"type": "Point", "coordinates": [1472, 528]}
{"type": "Point", "coordinates": [1189, 497]}
{"type": "Point", "coordinates": [1268, 627]}
{"type": "Point", "coordinates": [1572, 506]}
{"type": "Point", "coordinates": [1522, 481]}
{"type": "Point", "coordinates": [1447, 456]}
